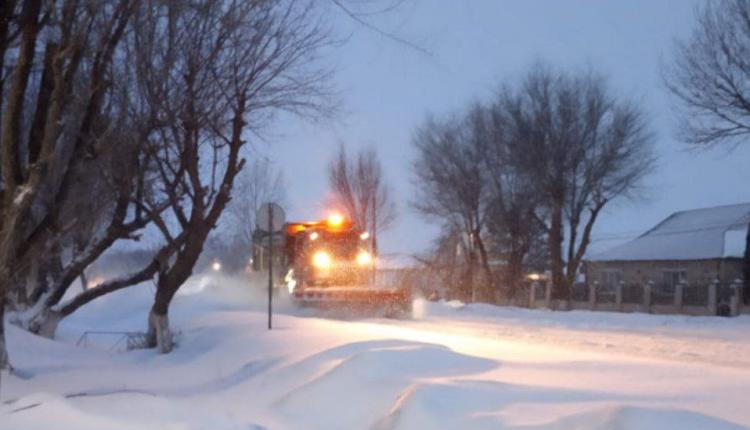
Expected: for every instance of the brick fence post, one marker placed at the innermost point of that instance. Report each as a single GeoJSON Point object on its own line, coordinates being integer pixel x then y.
{"type": "Point", "coordinates": [618, 295]}
{"type": "Point", "coordinates": [532, 294]}
{"type": "Point", "coordinates": [592, 295]}
{"type": "Point", "coordinates": [548, 295]}
{"type": "Point", "coordinates": [647, 287]}
{"type": "Point", "coordinates": [713, 289]}
{"type": "Point", "coordinates": [679, 291]}
{"type": "Point", "coordinates": [736, 300]}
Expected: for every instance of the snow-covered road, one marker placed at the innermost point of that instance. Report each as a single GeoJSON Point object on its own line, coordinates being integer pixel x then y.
{"type": "Point", "coordinates": [714, 341]}
{"type": "Point", "coordinates": [453, 366]}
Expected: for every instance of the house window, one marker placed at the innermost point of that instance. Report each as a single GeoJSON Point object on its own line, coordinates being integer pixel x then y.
{"type": "Point", "coordinates": [674, 277]}
{"type": "Point", "coordinates": [610, 278]}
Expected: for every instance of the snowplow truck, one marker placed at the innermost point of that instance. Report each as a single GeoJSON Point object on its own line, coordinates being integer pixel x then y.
{"type": "Point", "coordinates": [329, 264]}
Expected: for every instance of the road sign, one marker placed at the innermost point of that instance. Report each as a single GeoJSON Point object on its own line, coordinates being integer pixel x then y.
{"type": "Point", "coordinates": [270, 217]}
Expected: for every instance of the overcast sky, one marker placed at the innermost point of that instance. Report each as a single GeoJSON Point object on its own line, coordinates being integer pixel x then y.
{"type": "Point", "coordinates": [387, 89]}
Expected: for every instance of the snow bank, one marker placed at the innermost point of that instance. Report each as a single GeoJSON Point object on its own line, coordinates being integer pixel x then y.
{"type": "Point", "coordinates": [459, 366]}
{"type": "Point", "coordinates": [486, 405]}
{"type": "Point", "coordinates": [736, 328]}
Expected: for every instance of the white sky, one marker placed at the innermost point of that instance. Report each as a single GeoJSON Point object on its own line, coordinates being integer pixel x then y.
{"type": "Point", "coordinates": [387, 89]}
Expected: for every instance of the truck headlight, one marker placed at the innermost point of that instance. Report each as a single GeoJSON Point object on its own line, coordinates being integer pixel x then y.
{"type": "Point", "coordinates": [321, 260]}
{"type": "Point", "coordinates": [364, 258]}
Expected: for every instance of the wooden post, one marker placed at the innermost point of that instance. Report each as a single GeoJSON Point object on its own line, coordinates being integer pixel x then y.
{"type": "Point", "coordinates": [647, 287]}
{"type": "Point", "coordinates": [618, 295]}
{"type": "Point", "coordinates": [592, 294]}
{"type": "Point", "coordinates": [713, 288]}
{"type": "Point", "coordinates": [679, 290]}
{"type": "Point", "coordinates": [548, 295]}
{"type": "Point", "coordinates": [532, 294]}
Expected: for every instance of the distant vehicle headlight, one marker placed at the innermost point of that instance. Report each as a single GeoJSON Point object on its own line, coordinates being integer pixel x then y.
{"type": "Point", "coordinates": [216, 266]}
{"type": "Point", "coordinates": [364, 258]}
{"type": "Point", "coordinates": [321, 260]}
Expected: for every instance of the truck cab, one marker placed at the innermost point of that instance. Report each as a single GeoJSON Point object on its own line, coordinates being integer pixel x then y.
{"type": "Point", "coordinates": [330, 262]}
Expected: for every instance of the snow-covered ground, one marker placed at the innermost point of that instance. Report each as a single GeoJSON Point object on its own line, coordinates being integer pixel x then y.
{"type": "Point", "coordinates": [452, 366]}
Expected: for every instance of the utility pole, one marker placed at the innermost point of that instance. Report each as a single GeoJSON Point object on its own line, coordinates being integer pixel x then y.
{"type": "Point", "coordinates": [270, 219]}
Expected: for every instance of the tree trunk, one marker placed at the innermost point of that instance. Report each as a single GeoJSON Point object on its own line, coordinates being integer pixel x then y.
{"type": "Point", "coordinates": [746, 269]}
{"type": "Point", "coordinates": [575, 259]}
{"type": "Point", "coordinates": [468, 278]}
{"type": "Point", "coordinates": [488, 286]}
{"type": "Point", "coordinates": [515, 270]}
{"type": "Point", "coordinates": [31, 284]}
{"type": "Point", "coordinates": [560, 290]}
{"type": "Point", "coordinates": [46, 325]}
{"type": "Point", "coordinates": [4, 361]}
{"type": "Point", "coordinates": [159, 334]}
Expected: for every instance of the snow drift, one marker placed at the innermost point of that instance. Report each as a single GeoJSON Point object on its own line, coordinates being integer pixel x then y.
{"type": "Point", "coordinates": [458, 366]}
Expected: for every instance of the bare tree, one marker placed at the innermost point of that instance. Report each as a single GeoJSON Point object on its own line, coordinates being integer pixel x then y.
{"type": "Point", "coordinates": [452, 190]}
{"type": "Point", "coordinates": [444, 267]}
{"type": "Point", "coordinates": [512, 227]}
{"type": "Point", "coordinates": [360, 189]}
{"type": "Point", "coordinates": [57, 119]}
{"type": "Point", "coordinates": [90, 202]}
{"type": "Point", "coordinates": [581, 148]}
{"type": "Point", "coordinates": [361, 12]}
{"type": "Point", "coordinates": [710, 73]}
{"type": "Point", "coordinates": [216, 71]}
{"type": "Point", "coordinates": [87, 221]}
{"type": "Point", "coordinates": [710, 78]}
{"type": "Point", "coordinates": [543, 160]}
{"type": "Point", "coordinates": [257, 184]}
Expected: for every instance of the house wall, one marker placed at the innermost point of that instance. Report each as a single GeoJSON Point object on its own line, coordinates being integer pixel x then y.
{"type": "Point", "coordinates": [697, 271]}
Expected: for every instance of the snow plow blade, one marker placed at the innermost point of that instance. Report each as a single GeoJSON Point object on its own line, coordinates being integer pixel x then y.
{"type": "Point", "coordinates": [393, 301]}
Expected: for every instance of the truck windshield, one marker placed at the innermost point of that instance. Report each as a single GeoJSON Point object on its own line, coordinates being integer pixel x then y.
{"type": "Point", "coordinates": [339, 244]}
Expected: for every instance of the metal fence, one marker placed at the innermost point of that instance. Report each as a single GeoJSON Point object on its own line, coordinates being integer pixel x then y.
{"type": "Point", "coordinates": [539, 293]}
{"type": "Point", "coordinates": [632, 294]}
{"type": "Point", "coordinates": [580, 293]}
{"type": "Point", "coordinates": [694, 299]}
{"type": "Point", "coordinates": [662, 294]}
{"type": "Point", "coordinates": [695, 295]}
{"type": "Point", "coordinates": [605, 294]}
